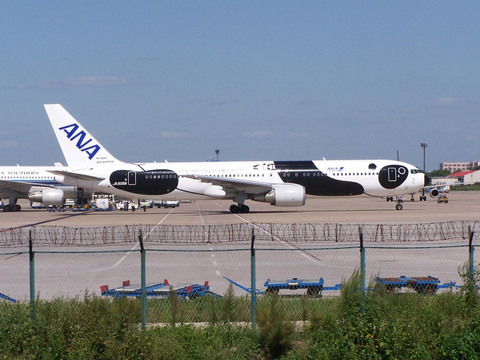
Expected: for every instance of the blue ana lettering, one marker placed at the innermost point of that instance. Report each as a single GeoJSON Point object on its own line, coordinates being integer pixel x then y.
{"type": "Point", "coordinates": [72, 134]}
{"type": "Point", "coordinates": [81, 136]}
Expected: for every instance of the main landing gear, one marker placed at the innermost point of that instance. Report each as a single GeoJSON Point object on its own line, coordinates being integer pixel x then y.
{"type": "Point", "coordinates": [13, 207]}
{"type": "Point", "coordinates": [241, 208]}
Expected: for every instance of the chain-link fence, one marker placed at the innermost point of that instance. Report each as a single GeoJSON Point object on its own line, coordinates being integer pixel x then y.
{"type": "Point", "coordinates": [206, 273]}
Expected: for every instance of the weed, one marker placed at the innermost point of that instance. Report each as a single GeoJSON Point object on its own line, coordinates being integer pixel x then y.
{"type": "Point", "coordinates": [229, 308]}
{"type": "Point", "coordinates": [470, 279]}
{"type": "Point", "coordinates": [174, 301]}
{"type": "Point", "coordinates": [275, 331]}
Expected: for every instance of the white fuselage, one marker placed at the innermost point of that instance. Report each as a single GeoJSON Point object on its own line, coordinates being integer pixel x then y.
{"type": "Point", "coordinates": [364, 173]}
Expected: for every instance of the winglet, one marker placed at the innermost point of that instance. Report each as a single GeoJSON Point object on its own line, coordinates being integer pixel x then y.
{"type": "Point", "coordinates": [80, 148]}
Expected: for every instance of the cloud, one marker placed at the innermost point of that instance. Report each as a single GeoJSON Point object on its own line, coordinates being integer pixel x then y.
{"type": "Point", "coordinates": [145, 59]}
{"type": "Point", "coordinates": [86, 81]}
{"type": "Point", "coordinates": [445, 101]}
{"type": "Point", "coordinates": [83, 81]}
{"type": "Point", "coordinates": [167, 134]}
{"type": "Point", "coordinates": [473, 138]}
{"type": "Point", "coordinates": [8, 144]}
{"type": "Point", "coordinates": [297, 135]}
{"type": "Point", "coordinates": [311, 102]}
{"type": "Point", "coordinates": [259, 134]}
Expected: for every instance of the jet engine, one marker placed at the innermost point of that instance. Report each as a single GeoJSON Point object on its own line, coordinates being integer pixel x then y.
{"type": "Point", "coordinates": [284, 195]}
{"type": "Point", "coordinates": [434, 193]}
{"type": "Point", "coordinates": [54, 197]}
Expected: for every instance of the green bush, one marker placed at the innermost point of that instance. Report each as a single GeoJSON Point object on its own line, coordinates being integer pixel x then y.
{"type": "Point", "coordinates": [374, 325]}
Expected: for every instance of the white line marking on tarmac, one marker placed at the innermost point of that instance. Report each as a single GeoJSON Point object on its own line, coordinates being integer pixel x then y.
{"type": "Point", "coordinates": [135, 247]}
{"type": "Point", "coordinates": [309, 256]}
{"type": "Point", "coordinates": [304, 253]}
{"type": "Point", "coordinates": [200, 214]}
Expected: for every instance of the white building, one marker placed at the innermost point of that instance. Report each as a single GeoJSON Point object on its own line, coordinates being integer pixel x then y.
{"type": "Point", "coordinates": [459, 166]}
{"type": "Point", "coordinates": [466, 177]}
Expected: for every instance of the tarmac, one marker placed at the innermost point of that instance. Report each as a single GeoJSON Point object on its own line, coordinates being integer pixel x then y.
{"type": "Point", "coordinates": [66, 271]}
{"type": "Point", "coordinates": [355, 209]}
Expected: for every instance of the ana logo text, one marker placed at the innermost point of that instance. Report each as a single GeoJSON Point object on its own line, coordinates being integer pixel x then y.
{"type": "Point", "coordinates": [82, 144]}
{"type": "Point", "coordinates": [335, 168]}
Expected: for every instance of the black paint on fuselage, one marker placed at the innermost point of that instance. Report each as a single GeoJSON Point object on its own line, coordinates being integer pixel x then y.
{"type": "Point", "coordinates": [392, 176]}
{"type": "Point", "coordinates": [152, 182]}
{"type": "Point", "coordinates": [316, 182]}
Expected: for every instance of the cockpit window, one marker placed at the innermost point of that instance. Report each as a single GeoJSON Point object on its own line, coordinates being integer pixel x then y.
{"type": "Point", "coordinates": [372, 166]}
{"type": "Point", "coordinates": [416, 171]}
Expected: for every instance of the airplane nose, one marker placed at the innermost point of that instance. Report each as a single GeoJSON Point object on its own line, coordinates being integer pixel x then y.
{"type": "Point", "coordinates": [428, 181]}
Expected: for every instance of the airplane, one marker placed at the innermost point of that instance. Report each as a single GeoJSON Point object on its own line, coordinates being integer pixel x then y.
{"type": "Point", "coordinates": [434, 191]}
{"type": "Point", "coordinates": [35, 183]}
{"type": "Point", "coordinates": [280, 183]}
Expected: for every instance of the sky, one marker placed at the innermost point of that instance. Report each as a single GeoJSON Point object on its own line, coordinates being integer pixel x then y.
{"type": "Point", "coordinates": [257, 80]}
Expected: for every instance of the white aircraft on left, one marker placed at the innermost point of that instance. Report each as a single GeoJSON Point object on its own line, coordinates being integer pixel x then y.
{"type": "Point", "coordinates": [35, 183]}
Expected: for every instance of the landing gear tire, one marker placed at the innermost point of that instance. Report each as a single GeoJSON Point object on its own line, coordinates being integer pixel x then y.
{"type": "Point", "coordinates": [8, 208]}
{"type": "Point", "coordinates": [244, 209]}
{"type": "Point", "coordinates": [234, 209]}
{"type": "Point", "coordinates": [399, 207]}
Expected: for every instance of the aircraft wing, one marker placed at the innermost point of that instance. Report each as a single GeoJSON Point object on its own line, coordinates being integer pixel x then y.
{"type": "Point", "coordinates": [18, 187]}
{"type": "Point", "coordinates": [231, 185]}
{"type": "Point", "coordinates": [21, 186]}
{"type": "Point", "coordinates": [75, 175]}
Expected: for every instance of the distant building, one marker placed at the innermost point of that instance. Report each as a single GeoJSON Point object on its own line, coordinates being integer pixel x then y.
{"type": "Point", "coordinates": [467, 177]}
{"type": "Point", "coordinates": [445, 182]}
{"type": "Point", "coordinates": [459, 166]}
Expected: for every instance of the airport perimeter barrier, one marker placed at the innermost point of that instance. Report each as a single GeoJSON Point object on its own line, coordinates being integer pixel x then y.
{"type": "Point", "coordinates": [165, 267]}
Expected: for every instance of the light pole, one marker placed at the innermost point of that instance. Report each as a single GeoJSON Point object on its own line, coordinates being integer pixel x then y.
{"type": "Point", "coordinates": [423, 145]}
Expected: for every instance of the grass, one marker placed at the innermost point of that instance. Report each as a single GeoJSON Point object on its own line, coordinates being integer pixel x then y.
{"type": "Point", "coordinates": [376, 326]}
{"type": "Point", "coordinates": [472, 187]}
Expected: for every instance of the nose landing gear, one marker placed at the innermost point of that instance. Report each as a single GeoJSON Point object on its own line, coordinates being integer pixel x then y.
{"type": "Point", "coordinates": [399, 201]}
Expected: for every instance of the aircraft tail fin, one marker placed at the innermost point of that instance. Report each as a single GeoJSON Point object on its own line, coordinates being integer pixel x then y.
{"type": "Point", "coordinates": [80, 148]}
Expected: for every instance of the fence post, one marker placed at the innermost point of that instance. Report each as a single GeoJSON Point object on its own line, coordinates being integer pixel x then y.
{"type": "Point", "coordinates": [32, 277]}
{"type": "Point", "coordinates": [470, 251]}
{"type": "Point", "coordinates": [253, 285]}
{"type": "Point", "coordinates": [362, 260]}
{"type": "Point", "coordinates": [362, 257]}
{"type": "Point", "coordinates": [143, 293]}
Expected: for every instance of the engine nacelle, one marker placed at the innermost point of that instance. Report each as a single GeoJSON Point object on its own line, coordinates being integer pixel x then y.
{"type": "Point", "coordinates": [434, 193]}
{"type": "Point", "coordinates": [284, 195]}
{"type": "Point", "coordinates": [54, 197]}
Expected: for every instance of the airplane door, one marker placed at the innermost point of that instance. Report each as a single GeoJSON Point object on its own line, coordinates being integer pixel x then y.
{"type": "Point", "coordinates": [392, 174]}
{"type": "Point", "coordinates": [132, 178]}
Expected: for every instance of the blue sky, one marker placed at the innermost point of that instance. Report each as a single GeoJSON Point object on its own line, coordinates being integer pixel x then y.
{"type": "Point", "coordinates": [277, 80]}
